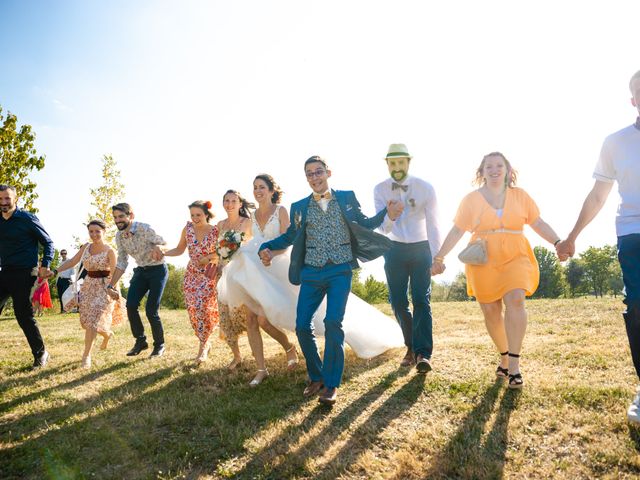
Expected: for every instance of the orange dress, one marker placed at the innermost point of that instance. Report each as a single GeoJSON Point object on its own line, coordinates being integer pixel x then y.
{"type": "Point", "coordinates": [512, 264]}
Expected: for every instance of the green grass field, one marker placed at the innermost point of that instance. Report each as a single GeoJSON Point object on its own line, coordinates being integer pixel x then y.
{"type": "Point", "coordinates": [166, 418]}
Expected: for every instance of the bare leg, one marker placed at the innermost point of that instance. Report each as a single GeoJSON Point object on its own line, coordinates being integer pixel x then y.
{"type": "Point", "coordinates": [515, 320]}
{"type": "Point", "coordinates": [237, 357]}
{"type": "Point", "coordinates": [255, 339]}
{"type": "Point", "coordinates": [89, 337]}
{"type": "Point", "coordinates": [494, 322]}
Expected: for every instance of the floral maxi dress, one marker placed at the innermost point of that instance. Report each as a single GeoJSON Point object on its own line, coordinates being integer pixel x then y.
{"type": "Point", "coordinates": [200, 293]}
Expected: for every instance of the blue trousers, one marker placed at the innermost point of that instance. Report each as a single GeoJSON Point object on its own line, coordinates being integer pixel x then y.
{"type": "Point", "coordinates": [334, 282]}
{"type": "Point", "coordinates": [409, 265]}
{"type": "Point", "coordinates": [153, 280]}
{"type": "Point", "coordinates": [629, 257]}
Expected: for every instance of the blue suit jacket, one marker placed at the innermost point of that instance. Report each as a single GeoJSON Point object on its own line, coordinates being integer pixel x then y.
{"type": "Point", "coordinates": [296, 233]}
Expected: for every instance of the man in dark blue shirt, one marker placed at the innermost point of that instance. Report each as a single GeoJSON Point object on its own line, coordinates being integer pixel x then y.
{"type": "Point", "coordinates": [20, 234]}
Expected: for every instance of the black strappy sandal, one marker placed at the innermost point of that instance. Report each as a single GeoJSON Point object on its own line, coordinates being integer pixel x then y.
{"type": "Point", "coordinates": [502, 372]}
{"type": "Point", "coordinates": [515, 380]}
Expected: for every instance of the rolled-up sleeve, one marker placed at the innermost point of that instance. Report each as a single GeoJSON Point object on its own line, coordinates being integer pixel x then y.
{"type": "Point", "coordinates": [123, 257]}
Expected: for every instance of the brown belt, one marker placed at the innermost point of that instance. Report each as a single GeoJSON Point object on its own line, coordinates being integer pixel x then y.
{"type": "Point", "coordinates": [98, 273]}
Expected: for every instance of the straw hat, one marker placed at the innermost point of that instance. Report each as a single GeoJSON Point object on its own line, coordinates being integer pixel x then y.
{"type": "Point", "coordinates": [398, 150]}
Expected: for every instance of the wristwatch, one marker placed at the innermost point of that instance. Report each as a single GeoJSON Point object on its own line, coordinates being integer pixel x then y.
{"type": "Point", "coordinates": [111, 287]}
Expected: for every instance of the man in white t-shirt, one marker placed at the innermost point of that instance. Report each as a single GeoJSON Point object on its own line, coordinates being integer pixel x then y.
{"type": "Point", "coordinates": [620, 162]}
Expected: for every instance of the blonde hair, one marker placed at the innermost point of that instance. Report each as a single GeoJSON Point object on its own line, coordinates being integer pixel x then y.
{"type": "Point", "coordinates": [510, 179]}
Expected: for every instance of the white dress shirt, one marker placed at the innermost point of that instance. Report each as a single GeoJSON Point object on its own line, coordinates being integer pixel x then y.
{"type": "Point", "coordinates": [419, 219]}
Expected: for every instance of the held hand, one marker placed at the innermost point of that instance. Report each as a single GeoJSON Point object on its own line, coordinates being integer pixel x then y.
{"type": "Point", "coordinates": [394, 209]}
{"type": "Point", "coordinates": [565, 249]}
{"type": "Point", "coordinates": [266, 256]}
{"type": "Point", "coordinates": [157, 254]}
{"type": "Point", "coordinates": [44, 272]}
{"type": "Point", "coordinates": [437, 268]}
{"type": "Point", "coordinates": [114, 294]}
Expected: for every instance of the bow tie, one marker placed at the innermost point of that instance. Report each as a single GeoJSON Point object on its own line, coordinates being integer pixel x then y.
{"type": "Point", "coordinates": [319, 196]}
{"type": "Point", "coordinates": [395, 185]}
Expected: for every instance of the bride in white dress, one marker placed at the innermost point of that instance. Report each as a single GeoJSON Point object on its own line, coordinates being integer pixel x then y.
{"type": "Point", "coordinates": [267, 292]}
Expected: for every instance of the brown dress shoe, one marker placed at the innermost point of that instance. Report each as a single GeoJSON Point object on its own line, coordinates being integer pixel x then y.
{"type": "Point", "coordinates": [408, 360]}
{"type": "Point", "coordinates": [312, 389]}
{"type": "Point", "coordinates": [328, 396]}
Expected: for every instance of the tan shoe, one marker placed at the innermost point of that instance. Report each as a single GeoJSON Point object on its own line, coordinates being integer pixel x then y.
{"type": "Point", "coordinates": [312, 389]}
{"type": "Point", "coordinates": [409, 359]}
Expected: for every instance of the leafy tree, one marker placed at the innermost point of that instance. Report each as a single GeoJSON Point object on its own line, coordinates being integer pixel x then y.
{"type": "Point", "coordinates": [551, 285]}
{"type": "Point", "coordinates": [458, 289]}
{"type": "Point", "coordinates": [597, 264]}
{"type": "Point", "coordinates": [371, 291]}
{"type": "Point", "coordinates": [105, 196]}
{"type": "Point", "coordinates": [173, 296]}
{"type": "Point", "coordinates": [19, 158]}
{"type": "Point", "coordinates": [615, 280]}
{"type": "Point", "coordinates": [574, 274]}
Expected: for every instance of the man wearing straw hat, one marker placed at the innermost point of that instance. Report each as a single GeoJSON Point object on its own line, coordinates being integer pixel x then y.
{"type": "Point", "coordinates": [415, 235]}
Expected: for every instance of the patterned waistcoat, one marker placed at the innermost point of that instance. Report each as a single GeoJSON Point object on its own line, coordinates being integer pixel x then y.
{"type": "Point", "coordinates": [328, 236]}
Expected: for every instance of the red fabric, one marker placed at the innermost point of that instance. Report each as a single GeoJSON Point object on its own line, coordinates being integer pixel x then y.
{"type": "Point", "coordinates": [42, 294]}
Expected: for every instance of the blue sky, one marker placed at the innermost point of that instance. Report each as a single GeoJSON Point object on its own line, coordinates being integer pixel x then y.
{"type": "Point", "coordinates": [196, 97]}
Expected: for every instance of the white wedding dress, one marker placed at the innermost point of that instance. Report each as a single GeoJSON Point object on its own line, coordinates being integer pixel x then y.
{"type": "Point", "coordinates": [267, 292]}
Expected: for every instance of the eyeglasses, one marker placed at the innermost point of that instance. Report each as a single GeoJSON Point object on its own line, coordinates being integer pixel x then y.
{"type": "Point", "coordinates": [318, 173]}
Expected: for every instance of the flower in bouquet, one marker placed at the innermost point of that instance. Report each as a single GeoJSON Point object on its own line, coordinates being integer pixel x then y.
{"type": "Point", "coordinates": [229, 244]}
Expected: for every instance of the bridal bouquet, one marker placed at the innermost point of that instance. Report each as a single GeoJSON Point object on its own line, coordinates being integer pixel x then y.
{"type": "Point", "coordinates": [228, 244]}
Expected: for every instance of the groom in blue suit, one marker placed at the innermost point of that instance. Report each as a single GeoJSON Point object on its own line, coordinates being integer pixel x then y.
{"type": "Point", "coordinates": [327, 239]}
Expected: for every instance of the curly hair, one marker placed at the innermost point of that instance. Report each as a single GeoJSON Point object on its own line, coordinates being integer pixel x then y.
{"type": "Point", "coordinates": [510, 179]}
{"type": "Point", "coordinates": [276, 196]}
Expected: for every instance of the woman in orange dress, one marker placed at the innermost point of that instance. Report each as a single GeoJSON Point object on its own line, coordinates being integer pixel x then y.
{"type": "Point", "coordinates": [497, 212]}
{"type": "Point", "coordinates": [98, 311]}
{"type": "Point", "coordinates": [200, 294]}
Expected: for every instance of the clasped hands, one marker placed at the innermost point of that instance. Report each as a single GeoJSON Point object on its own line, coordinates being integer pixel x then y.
{"type": "Point", "coordinates": [394, 209]}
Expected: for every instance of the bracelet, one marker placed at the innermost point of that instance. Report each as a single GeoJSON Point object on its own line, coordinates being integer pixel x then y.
{"type": "Point", "coordinates": [110, 287]}
{"type": "Point", "coordinates": [439, 259]}
{"type": "Point", "coordinates": [557, 242]}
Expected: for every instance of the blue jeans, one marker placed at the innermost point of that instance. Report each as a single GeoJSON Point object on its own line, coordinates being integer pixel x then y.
{"type": "Point", "coordinates": [334, 281]}
{"type": "Point", "coordinates": [153, 280]}
{"type": "Point", "coordinates": [409, 264]}
{"type": "Point", "coordinates": [629, 257]}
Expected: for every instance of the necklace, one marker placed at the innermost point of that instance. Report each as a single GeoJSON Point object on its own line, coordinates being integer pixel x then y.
{"type": "Point", "coordinates": [236, 226]}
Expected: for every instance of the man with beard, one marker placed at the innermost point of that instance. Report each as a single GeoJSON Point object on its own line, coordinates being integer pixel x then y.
{"type": "Point", "coordinates": [141, 242]}
{"type": "Point", "coordinates": [620, 162]}
{"type": "Point", "coordinates": [415, 236]}
{"type": "Point", "coordinates": [20, 234]}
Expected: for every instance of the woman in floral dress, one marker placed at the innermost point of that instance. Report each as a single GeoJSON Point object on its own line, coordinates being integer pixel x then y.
{"type": "Point", "coordinates": [98, 311]}
{"type": "Point", "coordinates": [233, 321]}
{"type": "Point", "coordinates": [200, 294]}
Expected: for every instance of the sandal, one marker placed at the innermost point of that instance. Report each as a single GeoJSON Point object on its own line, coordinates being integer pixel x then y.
{"type": "Point", "coordinates": [502, 372]}
{"type": "Point", "coordinates": [293, 362]}
{"type": "Point", "coordinates": [260, 376]}
{"type": "Point", "coordinates": [515, 380]}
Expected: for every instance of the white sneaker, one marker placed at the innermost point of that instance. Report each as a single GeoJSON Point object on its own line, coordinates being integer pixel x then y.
{"type": "Point", "coordinates": [633, 412]}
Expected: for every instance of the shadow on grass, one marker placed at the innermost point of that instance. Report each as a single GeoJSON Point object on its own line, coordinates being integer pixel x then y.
{"type": "Point", "coordinates": [466, 455]}
{"type": "Point", "coordinates": [5, 406]}
{"type": "Point", "coordinates": [279, 460]}
{"type": "Point", "coordinates": [167, 421]}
